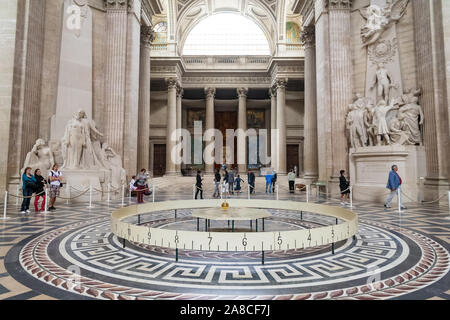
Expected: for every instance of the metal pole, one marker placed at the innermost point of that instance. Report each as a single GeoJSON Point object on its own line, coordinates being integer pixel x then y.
{"type": "Point", "coordinates": [351, 197]}
{"type": "Point", "coordinates": [307, 193]}
{"type": "Point", "coordinates": [17, 194]}
{"type": "Point", "coordinates": [130, 198]}
{"type": "Point", "coordinates": [278, 189]}
{"type": "Point", "coordinates": [46, 200]}
{"type": "Point", "coordinates": [332, 248]}
{"type": "Point", "coordinates": [123, 195]}
{"type": "Point", "coordinates": [5, 205]}
{"type": "Point", "coordinates": [90, 197]}
{"type": "Point", "coordinates": [448, 218]}
{"type": "Point", "coordinates": [109, 192]}
{"type": "Point", "coordinates": [193, 192]}
{"type": "Point", "coordinates": [399, 198]}
{"type": "Point", "coordinates": [176, 254]}
{"type": "Point", "coordinates": [68, 193]}
{"type": "Point", "coordinates": [248, 189]}
{"type": "Point", "coordinates": [153, 193]}
{"type": "Point", "coordinates": [262, 260]}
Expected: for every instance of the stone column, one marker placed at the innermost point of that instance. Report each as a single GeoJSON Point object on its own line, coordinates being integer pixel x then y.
{"type": "Point", "coordinates": [210, 122]}
{"type": "Point", "coordinates": [431, 77]}
{"type": "Point", "coordinates": [171, 125]}
{"type": "Point", "coordinates": [281, 126]}
{"type": "Point", "coordinates": [310, 153]}
{"type": "Point", "coordinates": [273, 127]}
{"type": "Point", "coordinates": [115, 74]}
{"type": "Point", "coordinates": [147, 36]}
{"type": "Point", "coordinates": [341, 82]}
{"type": "Point", "coordinates": [242, 131]}
{"type": "Point", "coordinates": [180, 93]}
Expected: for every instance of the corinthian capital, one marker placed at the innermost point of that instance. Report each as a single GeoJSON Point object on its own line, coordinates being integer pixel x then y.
{"type": "Point", "coordinates": [242, 92]}
{"type": "Point", "coordinates": [116, 4]}
{"type": "Point", "coordinates": [340, 4]}
{"type": "Point", "coordinates": [281, 83]}
{"type": "Point", "coordinates": [210, 93]}
{"type": "Point", "coordinates": [147, 36]}
{"type": "Point", "coordinates": [308, 36]}
{"type": "Point", "coordinates": [172, 83]}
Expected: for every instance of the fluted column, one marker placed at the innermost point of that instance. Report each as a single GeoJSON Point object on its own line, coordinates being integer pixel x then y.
{"type": "Point", "coordinates": [341, 68]}
{"type": "Point", "coordinates": [431, 77]}
{"type": "Point", "coordinates": [147, 36]}
{"type": "Point", "coordinates": [210, 122]}
{"type": "Point", "coordinates": [180, 93]}
{"type": "Point", "coordinates": [171, 125]}
{"type": "Point", "coordinates": [310, 153]}
{"type": "Point", "coordinates": [115, 73]}
{"type": "Point", "coordinates": [242, 130]}
{"type": "Point", "coordinates": [281, 126]}
{"type": "Point", "coordinates": [273, 127]}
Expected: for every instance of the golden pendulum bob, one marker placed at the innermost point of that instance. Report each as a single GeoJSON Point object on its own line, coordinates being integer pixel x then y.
{"type": "Point", "coordinates": [225, 205]}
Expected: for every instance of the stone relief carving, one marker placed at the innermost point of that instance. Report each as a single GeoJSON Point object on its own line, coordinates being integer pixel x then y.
{"type": "Point", "coordinates": [40, 157]}
{"type": "Point", "coordinates": [378, 19]}
{"type": "Point", "coordinates": [397, 122]}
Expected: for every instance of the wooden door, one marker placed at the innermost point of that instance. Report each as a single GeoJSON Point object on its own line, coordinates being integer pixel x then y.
{"type": "Point", "coordinates": [225, 121]}
{"type": "Point", "coordinates": [159, 160]}
{"type": "Point", "coordinates": [292, 157]}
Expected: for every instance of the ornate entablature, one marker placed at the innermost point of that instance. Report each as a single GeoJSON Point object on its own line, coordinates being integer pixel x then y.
{"type": "Point", "coordinates": [226, 82]}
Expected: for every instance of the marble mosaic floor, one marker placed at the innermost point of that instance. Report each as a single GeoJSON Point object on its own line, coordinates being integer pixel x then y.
{"type": "Point", "coordinates": [71, 254]}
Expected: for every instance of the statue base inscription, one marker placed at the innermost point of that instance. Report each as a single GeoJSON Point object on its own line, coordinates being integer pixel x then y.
{"type": "Point", "coordinates": [370, 167]}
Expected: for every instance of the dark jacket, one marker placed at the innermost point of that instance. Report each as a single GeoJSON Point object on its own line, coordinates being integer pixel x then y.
{"type": "Point", "coordinates": [251, 178]}
{"type": "Point", "coordinates": [199, 181]}
{"type": "Point", "coordinates": [226, 177]}
{"type": "Point", "coordinates": [343, 184]}
{"type": "Point", "coordinates": [40, 181]}
{"type": "Point", "coordinates": [217, 177]}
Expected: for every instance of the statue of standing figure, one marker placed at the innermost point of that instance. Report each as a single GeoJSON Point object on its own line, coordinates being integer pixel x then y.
{"type": "Point", "coordinates": [379, 120]}
{"type": "Point", "coordinates": [73, 143]}
{"type": "Point", "coordinates": [355, 123]}
{"type": "Point", "coordinates": [383, 82]}
{"type": "Point", "coordinates": [413, 118]}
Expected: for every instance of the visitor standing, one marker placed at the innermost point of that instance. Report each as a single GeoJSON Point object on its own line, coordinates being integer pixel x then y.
{"type": "Point", "coordinates": [141, 183]}
{"type": "Point", "coordinates": [28, 187]}
{"type": "Point", "coordinates": [269, 178]}
{"type": "Point", "coordinates": [226, 185]}
{"type": "Point", "coordinates": [231, 181]}
{"type": "Point", "coordinates": [199, 186]}
{"type": "Point", "coordinates": [55, 177]}
{"type": "Point", "coordinates": [274, 181]}
{"type": "Point", "coordinates": [291, 179]}
{"type": "Point", "coordinates": [251, 182]}
{"type": "Point", "coordinates": [238, 182]}
{"type": "Point", "coordinates": [394, 184]}
{"type": "Point", "coordinates": [345, 188]}
{"type": "Point", "coordinates": [40, 192]}
{"type": "Point", "coordinates": [217, 184]}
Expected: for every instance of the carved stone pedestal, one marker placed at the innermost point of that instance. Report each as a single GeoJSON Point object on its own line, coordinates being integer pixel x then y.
{"type": "Point", "coordinates": [81, 180]}
{"type": "Point", "coordinates": [370, 167]}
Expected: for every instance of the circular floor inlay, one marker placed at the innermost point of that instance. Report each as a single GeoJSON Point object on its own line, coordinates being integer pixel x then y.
{"type": "Point", "coordinates": [88, 260]}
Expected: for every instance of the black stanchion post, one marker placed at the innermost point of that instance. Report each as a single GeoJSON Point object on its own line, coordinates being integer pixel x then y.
{"type": "Point", "coordinates": [337, 221]}
{"type": "Point", "coordinates": [232, 226]}
{"type": "Point", "coordinates": [206, 224]}
{"type": "Point", "coordinates": [264, 228]}
{"type": "Point", "coordinates": [139, 220]}
{"type": "Point", "coordinates": [301, 215]}
{"type": "Point", "coordinates": [198, 224]}
{"type": "Point", "coordinates": [251, 224]}
{"type": "Point", "coordinates": [175, 214]}
{"type": "Point", "coordinates": [262, 257]}
{"type": "Point", "coordinates": [332, 248]}
{"type": "Point", "coordinates": [256, 225]}
{"type": "Point", "coordinates": [123, 243]}
{"type": "Point", "coordinates": [176, 254]}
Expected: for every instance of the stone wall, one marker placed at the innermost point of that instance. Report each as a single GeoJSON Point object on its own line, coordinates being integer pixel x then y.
{"type": "Point", "coordinates": [8, 24]}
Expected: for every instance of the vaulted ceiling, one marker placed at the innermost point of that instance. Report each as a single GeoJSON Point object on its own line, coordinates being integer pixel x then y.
{"type": "Point", "coordinates": [184, 15]}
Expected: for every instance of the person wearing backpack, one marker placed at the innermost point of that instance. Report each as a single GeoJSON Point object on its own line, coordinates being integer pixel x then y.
{"type": "Point", "coordinates": [40, 184]}
{"type": "Point", "coordinates": [28, 187]}
{"type": "Point", "coordinates": [54, 177]}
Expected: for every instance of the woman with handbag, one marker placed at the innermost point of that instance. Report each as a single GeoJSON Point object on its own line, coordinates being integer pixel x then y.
{"type": "Point", "coordinates": [28, 187]}
{"type": "Point", "coordinates": [40, 192]}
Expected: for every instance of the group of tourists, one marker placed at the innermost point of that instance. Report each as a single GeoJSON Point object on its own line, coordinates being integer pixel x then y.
{"type": "Point", "coordinates": [139, 185]}
{"type": "Point", "coordinates": [35, 184]}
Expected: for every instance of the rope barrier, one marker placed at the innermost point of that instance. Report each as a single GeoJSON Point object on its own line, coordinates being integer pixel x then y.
{"type": "Point", "coordinates": [27, 197]}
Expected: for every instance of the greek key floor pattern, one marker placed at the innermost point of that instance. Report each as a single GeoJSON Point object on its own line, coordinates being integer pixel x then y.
{"type": "Point", "coordinates": [71, 254]}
